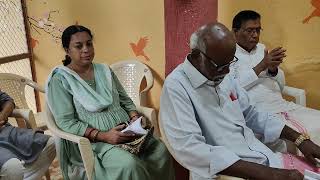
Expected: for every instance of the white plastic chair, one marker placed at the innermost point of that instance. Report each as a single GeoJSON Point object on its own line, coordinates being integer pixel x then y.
{"type": "Point", "coordinates": [298, 94]}
{"type": "Point", "coordinates": [14, 85]}
{"type": "Point", "coordinates": [83, 142]}
{"type": "Point", "coordinates": [165, 141]}
{"type": "Point", "coordinates": [131, 74]}
{"type": "Point", "coordinates": [27, 116]}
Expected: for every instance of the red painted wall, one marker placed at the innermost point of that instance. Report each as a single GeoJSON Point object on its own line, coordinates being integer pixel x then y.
{"type": "Point", "coordinates": [182, 17]}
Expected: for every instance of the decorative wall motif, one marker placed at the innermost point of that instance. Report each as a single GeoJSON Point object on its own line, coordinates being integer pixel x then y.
{"type": "Point", "coordinates": [45, 24]}
{"type": "Point", "coordinates": [138, 48]}
{"type": "Point", "coordinates": [315, 12]}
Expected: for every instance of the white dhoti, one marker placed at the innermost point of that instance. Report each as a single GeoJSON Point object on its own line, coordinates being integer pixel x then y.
{"type": "Point", "coordinates": [304, 120]}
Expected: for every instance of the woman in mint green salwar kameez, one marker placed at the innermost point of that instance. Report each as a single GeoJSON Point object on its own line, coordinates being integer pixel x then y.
{"type": "Point", "coordinates": [91, 102]}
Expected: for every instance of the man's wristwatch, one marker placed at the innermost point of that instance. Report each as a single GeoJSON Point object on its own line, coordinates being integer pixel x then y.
{"type": "Point", "coordinates": [301, 139]}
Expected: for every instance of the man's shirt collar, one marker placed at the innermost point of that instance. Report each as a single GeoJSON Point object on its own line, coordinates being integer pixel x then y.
{"type": "Point", "coordinates": [239, 48]}
{"type": "Point", "coordinates": [195, 77]}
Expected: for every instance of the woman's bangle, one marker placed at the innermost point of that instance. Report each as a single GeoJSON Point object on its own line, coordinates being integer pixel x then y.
{"type": "Point", "coordinates": [94, 138]}
{"type": "Point", "coordinates": [89, 133]}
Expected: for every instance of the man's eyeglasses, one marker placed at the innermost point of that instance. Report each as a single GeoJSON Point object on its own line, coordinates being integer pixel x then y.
{"type": "Point", "coordinates": [252, 30]}
{"type": "Point", "coordinates": [219, 67]}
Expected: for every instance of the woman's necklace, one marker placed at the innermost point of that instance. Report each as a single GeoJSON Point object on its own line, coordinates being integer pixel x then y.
{"type": "Point", "coordinates": [91, 82]}
{"type": "Point", "coordinates": [86, 75]}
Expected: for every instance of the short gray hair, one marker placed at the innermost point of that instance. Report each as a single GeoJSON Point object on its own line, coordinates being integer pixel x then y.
{"type": "Point", "coordinates": [196, 42]}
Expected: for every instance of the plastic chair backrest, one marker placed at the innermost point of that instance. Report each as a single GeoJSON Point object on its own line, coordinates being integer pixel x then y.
{"type": "Point", "coordinates": [14, 85]}
{"type": "Point", "coordinates": [131, 74]}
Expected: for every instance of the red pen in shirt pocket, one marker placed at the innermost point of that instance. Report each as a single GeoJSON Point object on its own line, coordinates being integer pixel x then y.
{"type": "Point", "coordinates": [233, 97]}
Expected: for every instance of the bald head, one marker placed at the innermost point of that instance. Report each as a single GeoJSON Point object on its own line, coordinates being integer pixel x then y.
{"type": "Point", "coordinates": [217, 45]}
{"type": "Point", "coordinates": [214, 39]}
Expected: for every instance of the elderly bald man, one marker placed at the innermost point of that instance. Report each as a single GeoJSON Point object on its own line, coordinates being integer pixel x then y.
{"type": "Point", "coordinates": [209, 122]}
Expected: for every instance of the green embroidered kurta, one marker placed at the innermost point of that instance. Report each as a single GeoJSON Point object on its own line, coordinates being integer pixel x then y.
{"type": "Point", "coordinates": [111, 162]}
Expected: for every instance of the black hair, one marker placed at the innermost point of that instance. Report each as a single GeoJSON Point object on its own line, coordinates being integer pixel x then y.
{"type": "Point", "coordinates": [66, 37]}
{"type": "Point", "coordinates": [244, 16]}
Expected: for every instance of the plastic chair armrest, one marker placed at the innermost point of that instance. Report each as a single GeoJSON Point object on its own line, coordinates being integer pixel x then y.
{"type": "Point", "coordinates": [25, 114]}
{"type": "Point", "coordinates": [84, 147]}
{"type": "Point", "coordinates": [298, 94]}
{"type": "Point", "coordinates": [150, 113]}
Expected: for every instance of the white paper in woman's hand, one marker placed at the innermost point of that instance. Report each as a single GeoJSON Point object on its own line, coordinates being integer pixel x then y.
{"type": "Point", "coordinates": [135, 127]}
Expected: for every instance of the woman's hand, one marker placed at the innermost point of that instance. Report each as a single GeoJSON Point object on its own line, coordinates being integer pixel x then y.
{"type": "Point", "coordinates": [134, 115]}
{"type": "Point", "coordinates": [7, 109]}
{"type": "Point", "coordinates": [115, 136]}
{"type": "Point", "coordinates": [134, 118]}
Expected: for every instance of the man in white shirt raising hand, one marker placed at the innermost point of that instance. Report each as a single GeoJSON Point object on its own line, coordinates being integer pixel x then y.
{"type": "Point", "coordinates": [258, 72]}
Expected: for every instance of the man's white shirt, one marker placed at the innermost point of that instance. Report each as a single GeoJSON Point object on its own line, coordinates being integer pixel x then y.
{"type": "Point", "coordinates": [264, 92]}
{"type": "Point", "coordinates": [210, 128]}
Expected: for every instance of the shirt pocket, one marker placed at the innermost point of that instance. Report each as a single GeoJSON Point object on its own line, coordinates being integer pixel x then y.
{"type": "Point", "coordinates": [234, 112]}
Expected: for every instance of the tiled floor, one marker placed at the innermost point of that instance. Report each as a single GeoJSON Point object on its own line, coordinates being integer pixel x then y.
{"type": "Point", "coordinates": [55, 172]}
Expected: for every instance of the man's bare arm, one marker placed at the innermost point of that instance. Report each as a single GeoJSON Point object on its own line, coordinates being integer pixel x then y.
{"type": "Point", "coordinates": [249, 170]}
{"type": "Point", "coordinates": [6, 111]}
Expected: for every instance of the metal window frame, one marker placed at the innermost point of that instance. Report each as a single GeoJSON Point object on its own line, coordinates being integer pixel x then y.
{"type": "Point", "coordinates": [28, 55]}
